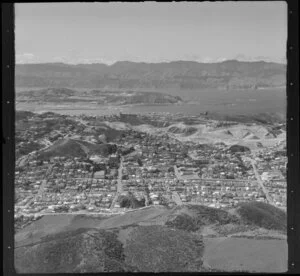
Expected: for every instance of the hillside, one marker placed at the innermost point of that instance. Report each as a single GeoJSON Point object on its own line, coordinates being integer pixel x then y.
{"type": "Point", "coordinates": [231, 74]}
{"type": "Point", "coordinates": [75, 148]}
{"type": "Point", "coordinates": [155, 239]}
{"type": "Point", "coordinates": [260, 118]}
{"type": "Point", "coordinates": [158, 249]}
{"type": "Point", "coordinates": [78, 251]}
{"type": "Point", "coordinates": [228, 132]}
{"type": "Point", "coordinates": [21, 115]}
{"type": "Point", "coordinates": [263, 215]}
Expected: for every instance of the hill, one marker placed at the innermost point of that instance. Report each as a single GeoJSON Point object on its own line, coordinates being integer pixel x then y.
{"type": "Point", "coordinates": [231, 74]}
{"type": "Point", "coordinates": [260, 118]}
{"type": "Point", "coordinates": [155, 239]}
{"type": "Point", "coordinates": [184, 130]}
{"type": "Point", "coordinates": [23, 115]}
{"type": "Point", "coordinates": [241, 136]}
{"type": "Point", "coordinates": [194, 217]}
{"type": "Point", "coordinates": [75, 148]}
{"type": "Point", "coordinates": [79, 251]}
{"type": "Point", "coordinates": [263, 215]}
{"type": "Point", "coordinates": [158, 249]}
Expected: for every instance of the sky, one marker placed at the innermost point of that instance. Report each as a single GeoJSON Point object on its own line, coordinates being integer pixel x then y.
{"type": "Point", "coordinates": [150, 32]}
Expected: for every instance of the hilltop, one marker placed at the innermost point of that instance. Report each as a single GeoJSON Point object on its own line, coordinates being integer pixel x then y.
{"type": "Point", "coordinates": [231, 74]}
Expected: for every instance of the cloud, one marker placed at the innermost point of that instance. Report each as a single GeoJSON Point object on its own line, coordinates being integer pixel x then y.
{"type": "Point", "coordinates": [212, 60]}
{"type": "Point", "coordinates": [242, 57]}
{"type": "Point", "coordinates": [31, 58]}
{"type": "Point", "coordinates": [221, 59]}
{"type": "Point", "coordinates": [26, 58]}
{"type": "Point", "coordinates": [96, 60]}
{"type": "Point", "coordinates": [59, 59]}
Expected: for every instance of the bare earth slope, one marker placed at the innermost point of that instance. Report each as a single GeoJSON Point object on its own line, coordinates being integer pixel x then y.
{"type": "Point", "coordinates": [239, 133]}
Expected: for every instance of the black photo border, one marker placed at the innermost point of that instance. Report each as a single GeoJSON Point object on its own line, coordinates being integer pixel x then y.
{"type": "Point", "coordinates": [8, 136]}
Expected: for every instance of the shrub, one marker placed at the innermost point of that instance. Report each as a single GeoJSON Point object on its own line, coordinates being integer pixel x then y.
{"type": "Point", "coordinates": [208, 215]}
{"type": "Point", "coordinates": [183, 222]}
{"type": "Point", "coordinates": [239, 148]}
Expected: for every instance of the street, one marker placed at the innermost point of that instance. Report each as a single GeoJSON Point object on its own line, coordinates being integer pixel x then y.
{"type": "Point", "coordinates": [260, 182]}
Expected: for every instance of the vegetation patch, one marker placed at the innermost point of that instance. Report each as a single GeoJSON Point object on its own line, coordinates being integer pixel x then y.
{"type": "Point", "coordinates": [263, 215]}
{"type": "Point", "coordinates": [129, 201]}
{"type": "Point", "coordinates": [199, 216]}
{"type": "Point", "coordinates": [229, 229]}
{"type": "Point", "coordinates": [239, 148]}
{"type": "Point", "coordinates": [78, 251]}
{"type": "Point", "coordinates": [75, 148]}
{"type": "Point", "coordinates": [161, 249]}
{"type": "Point", "coordinates": [208, 215]}
{"type": "Point", "coordinates": [184, 222]}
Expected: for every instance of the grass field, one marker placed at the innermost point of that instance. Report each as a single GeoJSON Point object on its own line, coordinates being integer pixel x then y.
{"type": "Point", "coordinates": [242, 254]}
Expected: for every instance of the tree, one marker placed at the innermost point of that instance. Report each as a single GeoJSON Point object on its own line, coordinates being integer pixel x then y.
{"type": "Point", "coordinates": [130, 201]}
{"type": "Point", "coordinates": [139, 161]}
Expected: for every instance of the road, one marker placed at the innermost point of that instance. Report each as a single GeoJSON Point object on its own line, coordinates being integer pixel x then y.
{"type": "Point", "coordinates": [46, 142]}
{"type": "Point", "coordinates": [176, 198]}
{"type": "Point", "coordinates": [69, 214]}
{"type": "Point", "coordinates": [119, 184]}
{"type": "Point", "coordinates": [44, 182]}
{"type": "Point", "coordinates": [120, 174]}
{"type": "Point", "coordinates": [175, 195]}
{"type": "Point", "coordinates": [82, 122]}
{"type": "Point", "coordinates": [42, 186]}
{"type": "Point", "coordinates": [108, 213]}
{"type": "Point", "coordinates": [84, 148]}
{"type": "Point", "coordinates": [177, 174]}
{"type": "Point", "coordinates": [260, 182]}
{"type": "Point", "coordinates": [204, 179]}
{"type": "Point", "coordinates": [22, 160]}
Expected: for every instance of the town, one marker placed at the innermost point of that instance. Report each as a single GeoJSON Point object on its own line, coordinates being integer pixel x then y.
{"type": "Point", "coordinates": [151, 169]}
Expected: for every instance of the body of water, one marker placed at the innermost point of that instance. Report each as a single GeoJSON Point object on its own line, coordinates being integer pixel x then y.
{"type": "Point", "coordinates": [234, 102]}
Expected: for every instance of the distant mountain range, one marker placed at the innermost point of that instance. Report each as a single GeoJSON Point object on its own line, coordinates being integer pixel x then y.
{"type": "Point", "coordinates": [231, 74]}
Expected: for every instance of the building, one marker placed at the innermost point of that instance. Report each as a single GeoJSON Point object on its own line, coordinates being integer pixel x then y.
{"type": "Point", "coordinates": [99, 174]}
